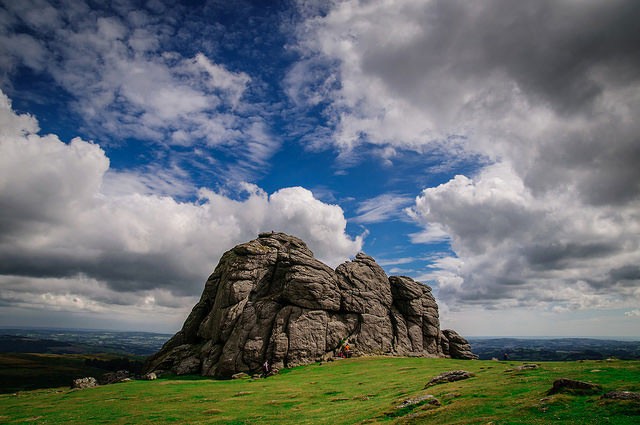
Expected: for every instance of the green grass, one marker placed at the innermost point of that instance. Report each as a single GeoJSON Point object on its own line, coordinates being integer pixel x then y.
{"type": "Point", "coordinates": [365, 390]}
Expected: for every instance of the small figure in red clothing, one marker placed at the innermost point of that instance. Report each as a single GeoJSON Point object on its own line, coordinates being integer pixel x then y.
{"type": "Point", "coordinates": [347, 350]}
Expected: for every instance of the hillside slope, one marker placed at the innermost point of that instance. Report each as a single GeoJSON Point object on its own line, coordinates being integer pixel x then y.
{"type": "Point", "coordinates": [364, 390]}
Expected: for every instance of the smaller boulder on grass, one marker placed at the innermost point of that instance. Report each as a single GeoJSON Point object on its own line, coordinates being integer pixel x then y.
{"type": "Point", "coordinates": [240, 375]}
{"type": "Point", "coordinates": [451, 376]}
{"type": "Point", "coordinates": [523, 367]}
{"type": "Point", "coordinates": [425, 399]}
{"type": "Point", "coordinates": [82, 383]}
{"type": "Point", "coordinates": [571, 386]}
{"type": "Point", "coordinates": [622, 395]}
{"type": "Point", "coordinates": [115, 377]}
{"type": "Point", "coordinates": [151, 376]}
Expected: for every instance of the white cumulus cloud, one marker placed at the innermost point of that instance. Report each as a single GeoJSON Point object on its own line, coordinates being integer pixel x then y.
{"type": "Point", "coordinates": [80, 247]}
{"type": "Point", "coordinates": [126, 80]}
{"type": "Point", "coordinates": [513, 247]}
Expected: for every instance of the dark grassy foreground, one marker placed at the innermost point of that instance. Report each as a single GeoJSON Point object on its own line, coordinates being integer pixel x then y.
{"type": "Point", "coordinates": [366, 390]}
{"type": "Point", "coordinates": [30, 371]}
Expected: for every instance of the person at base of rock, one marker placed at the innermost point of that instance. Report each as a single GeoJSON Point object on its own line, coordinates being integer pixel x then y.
{"type": "Point", "coordinates": [266, 368]}
{"type": "Point", "coordinates": [505, 356]}
{"type": "Point", "coordinates": [347, 350]}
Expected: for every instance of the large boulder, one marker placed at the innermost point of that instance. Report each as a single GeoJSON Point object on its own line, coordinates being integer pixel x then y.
{"type": "Point", "coordinates": [456, 346]}
{"type": "Point", "coordinates": [270, 300]}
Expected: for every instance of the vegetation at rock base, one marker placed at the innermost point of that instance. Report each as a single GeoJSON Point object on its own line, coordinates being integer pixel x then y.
{"type": "Point", "coordinates": [364, 390]}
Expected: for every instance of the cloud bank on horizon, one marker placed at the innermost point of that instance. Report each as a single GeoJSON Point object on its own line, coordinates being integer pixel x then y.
{"type": "Point", "coordinates": [492, 150]}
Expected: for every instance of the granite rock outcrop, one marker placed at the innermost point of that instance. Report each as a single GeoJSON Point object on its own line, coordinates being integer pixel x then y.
{"type": "Point", "coordinates": [270, 299]}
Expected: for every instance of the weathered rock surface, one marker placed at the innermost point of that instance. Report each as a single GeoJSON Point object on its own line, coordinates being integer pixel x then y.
{"type": "Point", "coordinates": [451, 376]}
{"type": "Point", "coordinates": [523, 367]}
{"type": "Point", "coordinates": [424, 399]}
{"type": "Point", "coordinates": [115, 377]}
{"type": "Point", "coordinates": [574, 387]}
{"type": "Point", "coordinates": [270, 299]}
{"type": "Point", "coordinates": [622, 395]}
{"type": "Point", "coordinates": [456, 346]}
{"type": "Point", "coordinates": [82, 383]}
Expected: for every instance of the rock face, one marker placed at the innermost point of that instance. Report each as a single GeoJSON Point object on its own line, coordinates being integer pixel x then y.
{"type": "Point", "coordinates": [458, 347]}
{"type": "Point", "coordinates": [270, 299]}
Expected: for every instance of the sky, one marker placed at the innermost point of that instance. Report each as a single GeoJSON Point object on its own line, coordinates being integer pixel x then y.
{"type": "Point", "coordinates": [489, 149]}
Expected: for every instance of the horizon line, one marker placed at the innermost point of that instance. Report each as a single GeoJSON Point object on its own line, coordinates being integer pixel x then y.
{"type": "Point", "coordinates": [599, 337]}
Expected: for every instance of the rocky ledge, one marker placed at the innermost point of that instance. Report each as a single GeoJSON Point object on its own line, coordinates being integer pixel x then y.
{"type": "Point", "coordinates": [270, 300]}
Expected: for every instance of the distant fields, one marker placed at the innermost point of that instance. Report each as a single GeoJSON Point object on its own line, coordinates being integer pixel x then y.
{"type": "Point", "coordinates": [365, 390]}
{"type": "Point", "coordinates": [555, 349]}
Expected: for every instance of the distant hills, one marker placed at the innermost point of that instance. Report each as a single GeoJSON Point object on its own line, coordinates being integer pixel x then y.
{"type": "Point", "coordinates": [73, 341]}
{"type": "Point", "coordinates": [556, 349]}
{"type": "Point", "coordinates": [46, 358]}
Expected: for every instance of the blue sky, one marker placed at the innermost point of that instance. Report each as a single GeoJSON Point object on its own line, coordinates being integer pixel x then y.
{"type": "Point", "coordinates": [488, 149]}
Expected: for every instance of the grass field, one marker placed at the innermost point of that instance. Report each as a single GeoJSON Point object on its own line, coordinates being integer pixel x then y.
{"type": "Point", "coordinates": [365, 390]}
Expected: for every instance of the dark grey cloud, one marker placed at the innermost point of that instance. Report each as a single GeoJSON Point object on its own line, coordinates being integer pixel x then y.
{"type": "Point", "coordinates": [562, 54]}
{"type": "Point", "coordinates": [555, 255]}
{"type": "Point", "coordinates": [626, 273]}
{"type": "Point", "coordinates": [551, 86]}
{"type": "Point", "coordinates": [548, 92]}
{"type": "Point", "coordinates": [551, 49]}
{"type": "Point", "coordinates": [121, 271]}
{"type": "Point", "coordinates": [600, 158]}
